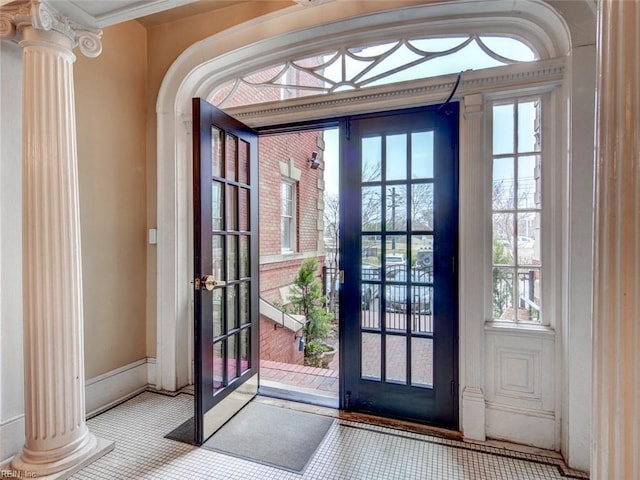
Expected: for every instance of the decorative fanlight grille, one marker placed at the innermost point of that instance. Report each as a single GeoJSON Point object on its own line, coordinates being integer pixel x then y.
{"type": "Point", "coordinates": [353, 68]}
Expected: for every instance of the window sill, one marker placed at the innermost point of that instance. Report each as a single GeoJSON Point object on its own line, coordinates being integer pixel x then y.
{"type": "Point", "coordinates": [288, 256]}
{"type": "Point", "coordinates": [519, 328]}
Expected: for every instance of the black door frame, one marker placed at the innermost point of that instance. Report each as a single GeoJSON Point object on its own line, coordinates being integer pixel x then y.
{"type": "Point", "coordinates": [445, 365]}
{"type": "Point", "coordinates": [237, 391]}
{"type": "Point", "coordinates": [449, 114]}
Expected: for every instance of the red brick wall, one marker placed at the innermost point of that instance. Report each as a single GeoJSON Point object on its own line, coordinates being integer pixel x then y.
{"type": "Point", "coordinates": [273, 276]}
{"type": "Point", "coordinates": [278, 344]}
{"type": "Point", "coordinates": [274, 150]}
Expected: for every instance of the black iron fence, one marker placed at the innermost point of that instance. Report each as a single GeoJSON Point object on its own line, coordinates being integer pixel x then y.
{"type": "Point", "coordinates": [503, 295]}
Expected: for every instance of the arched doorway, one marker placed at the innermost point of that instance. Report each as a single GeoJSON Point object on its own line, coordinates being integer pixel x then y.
{"type": "Point", "coordinates": [190, 77]}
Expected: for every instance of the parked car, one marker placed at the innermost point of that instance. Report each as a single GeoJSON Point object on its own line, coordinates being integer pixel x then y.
{"type": "Point", "coordinates": [393, 259]}
{"type": "Point", "coordinates": [369, 291]}
{"type": "Point", "coordinates": [396, 297]}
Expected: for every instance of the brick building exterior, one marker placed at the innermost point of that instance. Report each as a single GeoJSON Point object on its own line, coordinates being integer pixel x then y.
{"type": "Point", "coordinates": [285, 158]}
{"type": "Point", "coordinates": [282, 158]}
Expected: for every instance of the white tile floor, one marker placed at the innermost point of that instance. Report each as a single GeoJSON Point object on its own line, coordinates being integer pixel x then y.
{"type": "Point", "coordinates": [350, 450]}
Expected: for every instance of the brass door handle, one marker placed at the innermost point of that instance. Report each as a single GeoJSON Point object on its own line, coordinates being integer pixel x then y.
{"type": "Point", "coordinates": [208, 282]}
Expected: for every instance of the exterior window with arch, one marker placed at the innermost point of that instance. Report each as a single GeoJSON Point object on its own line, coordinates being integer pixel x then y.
{"type": "Point", "coordinates": [369, 65]}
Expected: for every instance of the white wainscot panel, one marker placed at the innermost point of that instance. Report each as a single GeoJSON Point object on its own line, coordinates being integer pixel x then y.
{"type": "Point", "coordinates": [520, 386]}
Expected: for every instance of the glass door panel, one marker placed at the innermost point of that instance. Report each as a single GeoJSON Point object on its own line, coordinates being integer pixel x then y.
{"type": "Point", "coordinates": [397, 251]}
{"type": "Point", "coordinates": [225, 267]}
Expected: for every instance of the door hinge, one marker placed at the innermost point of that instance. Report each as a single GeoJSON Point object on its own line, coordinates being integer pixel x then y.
{"type": "Point", "coordinates": [453, 264]}
{"type": "Point", "coordinates": [347, 128]}
{"type": "Point", "coordinates": [347, 401]}
{"type": "Point", "coordinates": [454, 388]}
{"type": "Point", "coordinates": [341, 277]}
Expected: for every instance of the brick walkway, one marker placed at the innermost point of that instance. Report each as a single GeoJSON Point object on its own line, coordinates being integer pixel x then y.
{"type": "Point", "coordinates": [323, 379]}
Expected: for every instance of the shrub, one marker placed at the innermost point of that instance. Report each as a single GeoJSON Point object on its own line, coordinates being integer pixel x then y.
{"type": "Point", "coordinates": [306, 299]}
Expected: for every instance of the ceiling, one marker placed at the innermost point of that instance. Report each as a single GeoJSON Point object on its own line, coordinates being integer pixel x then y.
{"type": "Point", "coordinates": [103, 13]}
{"type": "Point", "coordinates": [193, 8]}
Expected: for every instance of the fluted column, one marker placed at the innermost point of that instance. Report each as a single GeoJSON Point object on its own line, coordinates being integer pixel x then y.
{"type": "Point", "coordinates": [56, 436]}
{"type": "Point", "coordinates": [616, 332]}
{"type": "Point", "coordinates": [472, 268]}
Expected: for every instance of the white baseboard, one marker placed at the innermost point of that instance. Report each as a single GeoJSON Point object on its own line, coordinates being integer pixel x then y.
{"type": "Point", "coordinates": [11, 439]}
{"type": "Point", "coordinates": [473, 414]}
{"type": "Point", "coordinates": [101, 393]}
{"type": "Point", "coordinates": [520, 425]}
{"type": "Point", "coordinates": [114, 387]}
{"type": "Point", "coordinates": [151, 371]}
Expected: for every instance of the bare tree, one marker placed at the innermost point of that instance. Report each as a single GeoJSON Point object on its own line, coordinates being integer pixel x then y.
{"type": "Point", "coordinates": [371, 208]}
{"type": "Point", "coordinates": [332, 235]}
{"type": "Point", "coordinates": [422, 206]}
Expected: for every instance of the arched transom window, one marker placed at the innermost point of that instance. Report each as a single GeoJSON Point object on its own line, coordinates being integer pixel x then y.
{"type": "Point", "coordinates": [369, 65]}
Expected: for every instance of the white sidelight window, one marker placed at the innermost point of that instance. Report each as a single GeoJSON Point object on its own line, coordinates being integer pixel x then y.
{"type": "Point", "coordinates": [517, 201]}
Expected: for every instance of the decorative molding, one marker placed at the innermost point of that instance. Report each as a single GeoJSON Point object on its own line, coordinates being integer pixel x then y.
{"type": "Point", "coordinates": [151, 371]}
{"type": "Point", "coordinates": [397, 95]}
{"type": "Point", "coordinates": [520, 371]}
{"type": "Point", "coordinates": [17, 16]}
{"type": "Point", "coordinates": [473, 107]}
{"type": "Point", "coordinates": [473, 414]}
{"type": "Point", "coordinates": [519, 329]}
{"type": "Point", "coordinates": [289, 170]}
{"type": "Point", "coordinates": [105, 13]}
{"type": "Point", "coordinates": [521, 425]}
{"type": "Point", "coordinates": [101, 393]}
{"type": "Point", "coordinates": [517, 374]}
{"type": "Point", "coordinates": [11, 439]}
{"type": "Point", "coordinates": [311, 3]}
{"type": "Point", "coordinates": [529, 412]}
{"type": "Point", "coordinates": [188, 125]}
{"type": "Point", "coordinates": [471, 279]}
{"type": "Point", "coordinates": [116, 386]}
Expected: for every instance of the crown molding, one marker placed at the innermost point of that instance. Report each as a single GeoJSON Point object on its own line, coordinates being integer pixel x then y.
{"type": "Point", "coordinates": [16, 16]}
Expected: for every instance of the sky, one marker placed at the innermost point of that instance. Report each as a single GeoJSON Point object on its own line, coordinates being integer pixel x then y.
{"type": "Point", "coordinates": [331, 156]}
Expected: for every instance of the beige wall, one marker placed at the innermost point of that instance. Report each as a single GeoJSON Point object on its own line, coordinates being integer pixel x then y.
{"type": "Point", "coordinates": [116, 96]}
{"type": "Point", "coordinates": [111, 113]}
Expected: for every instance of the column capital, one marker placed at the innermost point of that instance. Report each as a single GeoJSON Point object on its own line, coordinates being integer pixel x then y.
{"type": "Point", "coordinates": [473, 105]}
{"type": "Point", "coordinates": [17, 16]}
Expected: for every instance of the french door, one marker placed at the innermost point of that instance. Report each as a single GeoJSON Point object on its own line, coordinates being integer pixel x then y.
{"type": "Point", "coordinates": [398, 249]}
{"type": "Point", "coordinates": [225, 196]}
